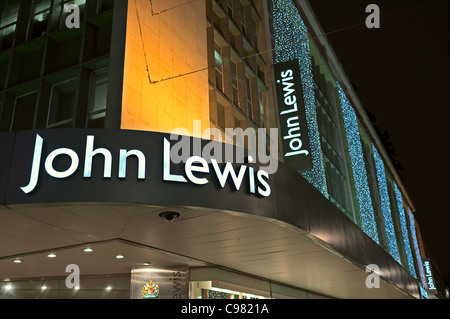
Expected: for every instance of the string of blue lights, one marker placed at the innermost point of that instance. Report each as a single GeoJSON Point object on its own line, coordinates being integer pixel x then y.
{"type": "Point", "coordinates": [366, 212]}
{"type": "Point", "coordinates": [289, 28]}
{"type": "Point", "coordinates": [404, 229]}
{"type": "Point", "coordinates": [386, 205]}
{"type": "Point", "coordinates": [412, 227]}
{"type": "Point", "coordinates": [292, 43]}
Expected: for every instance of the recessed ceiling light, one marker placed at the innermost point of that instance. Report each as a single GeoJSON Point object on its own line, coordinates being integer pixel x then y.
{"type": "Point", "coordinates": [120, 257]}
{"type": "Point", "coordinates": [108, 288]}
{"type": "Point", "coordinates": [51, 255]}
{"type": "Point", "coordinates": [17, 261]}
{"type": "Point", "coordinates": [44, 287]}
{"type": "Point", "coordinates": [145, 263]}
{"type": "Point", "coordinates": [8, 287]}
{"type": "Point", "coordinates": [88, 250]}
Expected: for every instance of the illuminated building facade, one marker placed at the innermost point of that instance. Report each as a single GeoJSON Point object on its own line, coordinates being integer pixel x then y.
{"type": "Point", "coordinates": [108, 93]}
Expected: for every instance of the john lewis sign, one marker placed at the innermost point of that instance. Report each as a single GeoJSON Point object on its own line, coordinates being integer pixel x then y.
{"type": "Point", "coordinates": [70, 166]}
{"type": "Point", "coordinates": [293, 125]}
{"type": "Point", "coordinates": [195, 167]}
{"type": "Point", "coordinates": [429, 276]}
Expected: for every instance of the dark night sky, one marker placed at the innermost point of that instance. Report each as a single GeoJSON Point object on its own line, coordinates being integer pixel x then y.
{"type": "Point", "coordinates": [401, 75]}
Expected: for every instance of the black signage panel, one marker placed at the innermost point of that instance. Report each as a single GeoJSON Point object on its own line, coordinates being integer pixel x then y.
{"type": "Point", "coordinates": [120, 166]}
{"type": "Point", "coordinates": [293, 125]}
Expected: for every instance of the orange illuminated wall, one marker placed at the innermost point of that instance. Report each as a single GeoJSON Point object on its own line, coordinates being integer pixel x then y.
{"type": "Point", "coordinates": [175, 43]}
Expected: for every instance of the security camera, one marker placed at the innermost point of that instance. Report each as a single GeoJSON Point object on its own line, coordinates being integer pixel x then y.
{"type": "Point", "coordinates": [169, 216]}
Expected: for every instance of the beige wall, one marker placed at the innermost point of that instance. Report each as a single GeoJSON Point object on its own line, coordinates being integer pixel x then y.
{"type": "Point", "coordinates": [175, 43]}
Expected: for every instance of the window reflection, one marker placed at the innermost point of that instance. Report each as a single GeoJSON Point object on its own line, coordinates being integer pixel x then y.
{"type": "Point", "coordinates": [39, 21]}
{"type": "Point", "coordinates": [62, 104]}
{"type": "Point", "coordinates": [8, 21]}
{"type": "Point", "coordinates": [97, 99]}
{"type": "Point", "coordinates": [24, 111]}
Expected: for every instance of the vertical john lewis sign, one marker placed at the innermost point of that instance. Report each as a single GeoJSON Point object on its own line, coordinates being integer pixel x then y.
{"type": "Point", "coordinates": [296, 148]}
{"type": "Point", "coordinates": [429, 275]}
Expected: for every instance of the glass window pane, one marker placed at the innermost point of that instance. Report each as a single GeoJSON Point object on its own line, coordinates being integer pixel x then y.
{"type": "Point", "coordinates": [24, 110]}
{"type": "Point", "coordinates": [77, 2]}
{"type": "Point", "coordinates": [62, 104]}
{"type": "Point", "coordinates": [218, 59]}
{"type": "Point", "coordinates": [97, 99]}
{"type": "Point", "coordinates": [8, 20]}
{"type": "Point", "coordinates": [220, 115]}
{"type": "Point", "coordinates": [7, 37]}
{"type": "Point", "coordinates": [248, 86]}
{"type": "Point", "coordinates": [10, 13]}
{"type": "Point", "coordinates": [41, 13]}
{"type": "Point", "coordinates": [3, 73]}
{"type": "Point", "coordinates": [107, 5]}
{"type": "Point", "coordinates": [99, 88]}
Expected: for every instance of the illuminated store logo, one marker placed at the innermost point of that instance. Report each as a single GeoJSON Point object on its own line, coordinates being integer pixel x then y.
{"type": "Point", "coordinates": [292, 116]}
{"type": "Point", "coordinates": [429, 275]}
{"type": "Point", "coordinates": [150, 290]}
{"type": "Point", "coordinates": [195, 168]}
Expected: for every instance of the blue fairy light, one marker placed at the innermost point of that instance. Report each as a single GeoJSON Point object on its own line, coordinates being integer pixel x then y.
{"type": "Point", "coordinates": [404, 228]}
{"type": "Point", "coordinates": [412, 227]}
{"type": "Point", "coordinates": [385, 205]}
{"type": "Point", "coordinates": [291, 39]}
{"type": "Point", "coordinates": [366, 212]}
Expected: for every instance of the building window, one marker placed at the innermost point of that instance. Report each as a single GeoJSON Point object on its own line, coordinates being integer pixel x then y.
{"type": "Point", "coordinates": [39, 19]}
{"type": "Point", "coordinates": [3, 73]}
{"type": "Point", "coordinates": [221, 120]}
{"type": "Point", "coordinates": [97, 99]}
{"type": "Point", "coordinates": [2, 111]}
{"type": "Point", "coordinates": [234, 82]}
{"type": "Point", "coordinates": [106, 5]}
{"type": "Point", "coordinates": [261, 89]}
{"type": "Point", "coordinates": [218, 62]}
{"type": "Point", "coordinates": [236, 98]}
{"type": "Point", "coordinates": [24, 112]}
{"type": "Point", "coordinates": [8, 21]}
{"type": "Point", "coordinates": [248, 90]}
{"type": "Point", "coordinates": [230, 10]}
{"type": "Point", "coordinates": [62, 104]}
{"type": "Point", "coordinates": [239, 119]}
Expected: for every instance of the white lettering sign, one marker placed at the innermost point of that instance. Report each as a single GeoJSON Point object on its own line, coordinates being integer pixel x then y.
{"type": "Point", "coordinates": [196, 168]}
{"type": "Point", "coordinates": [429, 275]}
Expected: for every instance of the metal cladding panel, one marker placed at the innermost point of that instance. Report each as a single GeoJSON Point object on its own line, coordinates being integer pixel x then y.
{"type": "Point", "coordinates": [364, 250]}
{"type": "Point", "coordinates": [327, 223]}
{"type": "Point", "coordinates": [6, 146]}
{"type": "Point", "coordinates": [293, 199]}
